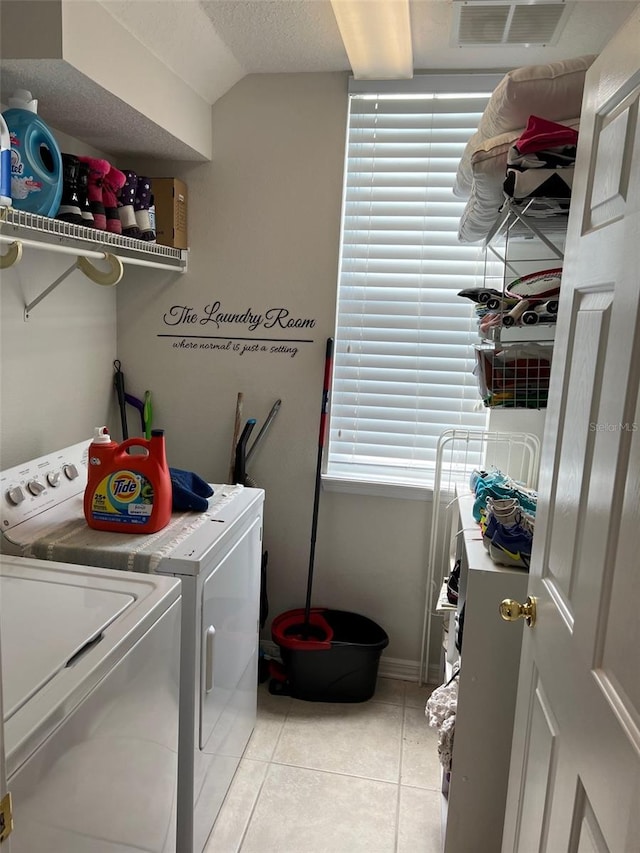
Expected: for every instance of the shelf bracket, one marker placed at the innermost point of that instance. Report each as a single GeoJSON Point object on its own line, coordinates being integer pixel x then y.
{"type": "Point", "coordinates": [106, 279]}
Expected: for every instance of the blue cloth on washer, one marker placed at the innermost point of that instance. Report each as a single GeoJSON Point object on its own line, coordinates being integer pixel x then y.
{"type": "Point", "coordinates": [190, 492]}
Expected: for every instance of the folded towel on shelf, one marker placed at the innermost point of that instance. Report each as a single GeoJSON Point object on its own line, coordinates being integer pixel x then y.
{"type": "Point", "coordinates": [541, 134]}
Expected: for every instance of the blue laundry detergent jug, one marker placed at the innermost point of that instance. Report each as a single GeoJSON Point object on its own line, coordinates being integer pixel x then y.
{"type": "Point", "coordinates": [5, 164]}
{"type": "Point", "coordinates": [36, 163]}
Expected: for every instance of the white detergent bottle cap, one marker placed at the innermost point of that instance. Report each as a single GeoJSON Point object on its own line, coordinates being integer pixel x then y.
{"type": "Point", "coordinates": [22, 100]}
{"type": "Point", "coordinates": [101, 435]}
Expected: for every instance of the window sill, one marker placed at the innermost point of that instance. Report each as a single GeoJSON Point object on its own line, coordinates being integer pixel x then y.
{"type": "Point", "coordinates": [401, 491]}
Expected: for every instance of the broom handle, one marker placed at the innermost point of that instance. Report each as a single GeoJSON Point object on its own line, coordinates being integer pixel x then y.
{"type": "Point", "coordinates": [328, 363]}
{"type": "Point", "coordinates": [236, 435]}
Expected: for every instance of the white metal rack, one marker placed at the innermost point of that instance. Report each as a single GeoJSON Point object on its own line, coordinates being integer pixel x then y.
{"type": "Point", "coordinates": [458, 453]}
{"type": "Point", "coordinates": [25, 230]}
{"type": "Point", "coordinates": [513, 361]}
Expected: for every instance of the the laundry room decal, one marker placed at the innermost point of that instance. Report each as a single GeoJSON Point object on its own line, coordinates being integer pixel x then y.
{"type": "Point", "coordinates": [274, 330]}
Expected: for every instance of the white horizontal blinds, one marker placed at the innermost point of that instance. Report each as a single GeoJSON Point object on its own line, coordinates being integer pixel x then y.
{"type": "Point", "coordinates": [403, 350]}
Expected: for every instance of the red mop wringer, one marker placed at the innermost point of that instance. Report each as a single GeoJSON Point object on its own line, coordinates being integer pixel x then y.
{"type": "Point", "coordinates": [128, 493]}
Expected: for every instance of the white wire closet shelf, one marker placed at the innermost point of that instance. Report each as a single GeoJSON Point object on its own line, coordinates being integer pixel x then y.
{"type": "Point", "coordinates": [459, 452]}
{"type": "Point", "coordinates": [21, 230]}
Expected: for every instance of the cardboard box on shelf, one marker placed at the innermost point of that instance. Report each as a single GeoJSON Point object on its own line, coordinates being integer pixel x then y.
{"type": "Point", "coordinates": [170, 199]}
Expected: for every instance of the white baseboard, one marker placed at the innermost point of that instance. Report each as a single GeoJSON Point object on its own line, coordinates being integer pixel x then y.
{"type": "Point", "coordinates": [404, 670]}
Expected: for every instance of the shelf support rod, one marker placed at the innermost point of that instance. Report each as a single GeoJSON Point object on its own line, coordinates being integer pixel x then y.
{"type": "Point", "coordinates": [106, 279]}
{"type": "Point", "coordinates": [29, 308]}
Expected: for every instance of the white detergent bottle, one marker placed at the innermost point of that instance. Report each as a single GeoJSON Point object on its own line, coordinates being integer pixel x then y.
{"type": "Point", "coordinates": [5, 164]}
{"type": "Point", "coordinates": [36, 162]}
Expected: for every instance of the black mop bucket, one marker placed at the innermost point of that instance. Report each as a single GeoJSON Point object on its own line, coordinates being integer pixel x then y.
{"type": "Point", "coordinates": [337, 660]}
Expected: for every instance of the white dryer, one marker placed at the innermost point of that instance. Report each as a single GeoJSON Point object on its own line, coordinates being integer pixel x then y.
{"type": "Point", "coordinates": [217, 556]}
{"type": "Point", "coordinates": [90, 678]}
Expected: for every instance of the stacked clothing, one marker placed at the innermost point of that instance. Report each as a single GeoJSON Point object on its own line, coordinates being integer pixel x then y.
{"type": "Point", "coordinates": [541, 161]}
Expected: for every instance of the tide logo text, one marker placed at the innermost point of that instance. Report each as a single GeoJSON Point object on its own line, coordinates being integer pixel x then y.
{"type": "Point", "coordinates": [124, 486]}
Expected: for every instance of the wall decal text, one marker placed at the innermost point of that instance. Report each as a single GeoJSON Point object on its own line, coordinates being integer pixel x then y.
{"type": "Point", "coordinates": [185, 321]}
{"type": "Point", "coordinates": [214, 314]}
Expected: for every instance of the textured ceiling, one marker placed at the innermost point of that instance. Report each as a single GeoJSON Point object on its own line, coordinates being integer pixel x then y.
{"type": "Point", "coordinates": [271, 36]}
{"type": "Point", "coordinates": [211, 44]}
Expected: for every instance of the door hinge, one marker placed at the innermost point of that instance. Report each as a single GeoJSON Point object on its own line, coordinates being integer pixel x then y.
{"type": "Point", "coordinates": [6, 817]}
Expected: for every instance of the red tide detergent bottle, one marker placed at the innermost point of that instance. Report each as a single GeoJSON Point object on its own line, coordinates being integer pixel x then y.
{"type": "Point", "coordinates": [127, 493]}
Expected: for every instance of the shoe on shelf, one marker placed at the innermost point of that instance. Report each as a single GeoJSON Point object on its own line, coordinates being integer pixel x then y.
{"type": "Point", "coordinates": [453, 583]}
{"type": "Point", "coordinates": [113, 182]}
{"type": "Point", "coordinates": [126, 202]}
{"type": "Point", "coordinates": [500, 486]}
{"type": "Point", "coordinates": [505, 511]}
{"type": "Point", "coordinates": [141, 208]}
{"type": "Point", "coordinates": [476, 475]}
{"type": "Point", "coordinates": [98, 169]}
{"type": "Point", "coordinates": [480, 295]}
{"type": "Point", "coordinates": [69, 210]}
{"type": "Point", "coordinates": [511, 546]}
{"type": "Point", "coordinates": [83, 199]}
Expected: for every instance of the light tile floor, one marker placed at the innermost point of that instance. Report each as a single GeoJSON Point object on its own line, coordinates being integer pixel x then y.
{"type": "Point", "coordinates": [336, 778]}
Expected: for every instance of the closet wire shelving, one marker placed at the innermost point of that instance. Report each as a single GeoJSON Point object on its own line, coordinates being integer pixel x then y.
{"type": "Point", "coordinates": [459, 452]}
{"type": "Point", "coordinates": [20, 229]}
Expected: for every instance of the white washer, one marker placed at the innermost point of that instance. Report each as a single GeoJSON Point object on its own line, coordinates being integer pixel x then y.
{"type": "Point", "coordinates": [90, 677]}
{"type": "Point", "coordinates": [217, 555]}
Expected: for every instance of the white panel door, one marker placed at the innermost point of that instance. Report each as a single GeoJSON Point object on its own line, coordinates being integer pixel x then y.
{"type": "Point", "coordinates": [575, 769]}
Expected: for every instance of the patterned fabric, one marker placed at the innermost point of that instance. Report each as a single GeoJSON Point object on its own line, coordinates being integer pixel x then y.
{"type": "Point", "coordinates": [73, 541]}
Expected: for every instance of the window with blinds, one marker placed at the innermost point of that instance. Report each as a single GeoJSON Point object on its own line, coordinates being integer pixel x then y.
{"type": "Point", "coordinates": [403, 357]}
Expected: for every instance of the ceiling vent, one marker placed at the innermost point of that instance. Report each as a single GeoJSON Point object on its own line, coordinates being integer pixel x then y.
{"type": "Point", "coordinates": [481, 23]}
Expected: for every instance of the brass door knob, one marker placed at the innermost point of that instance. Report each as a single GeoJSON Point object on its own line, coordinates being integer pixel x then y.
{"type": "Point", "coordinates": [511, 610]}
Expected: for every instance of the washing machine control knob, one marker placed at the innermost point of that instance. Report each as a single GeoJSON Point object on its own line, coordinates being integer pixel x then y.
{"type": "Point", "coordinates": [53, 478]}
{"type": "Point", "coordinates": [70, 472]}
{"type": "Point", "coordinates": [15, 495]}
{"type": "Point", "coordinates": [35, 487]}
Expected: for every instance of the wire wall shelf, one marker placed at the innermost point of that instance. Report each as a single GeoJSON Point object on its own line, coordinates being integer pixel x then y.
{"type": "Point", "coordinates": [20, 230]}
{"type": "Point", "coordinates": [23, 224]}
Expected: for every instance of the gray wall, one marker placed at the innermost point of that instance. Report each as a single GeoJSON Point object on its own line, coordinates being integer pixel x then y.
{"type": "Point", "coordinates": [264, 228]}
{"type": "Point", "coordinates": [57, 367]}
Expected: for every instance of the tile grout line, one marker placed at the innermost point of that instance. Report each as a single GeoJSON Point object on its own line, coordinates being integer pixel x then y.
{"type": "Point", "coordinates": [399, 791]}
{"type": "Point", "coordinates": [332, 772]}
{"type": "Point", "coordinates": [270, 763]}
{"type": "Point", "coordinates": [262, 784]}
{"type": "Point", "coordinates": [253, 808]}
